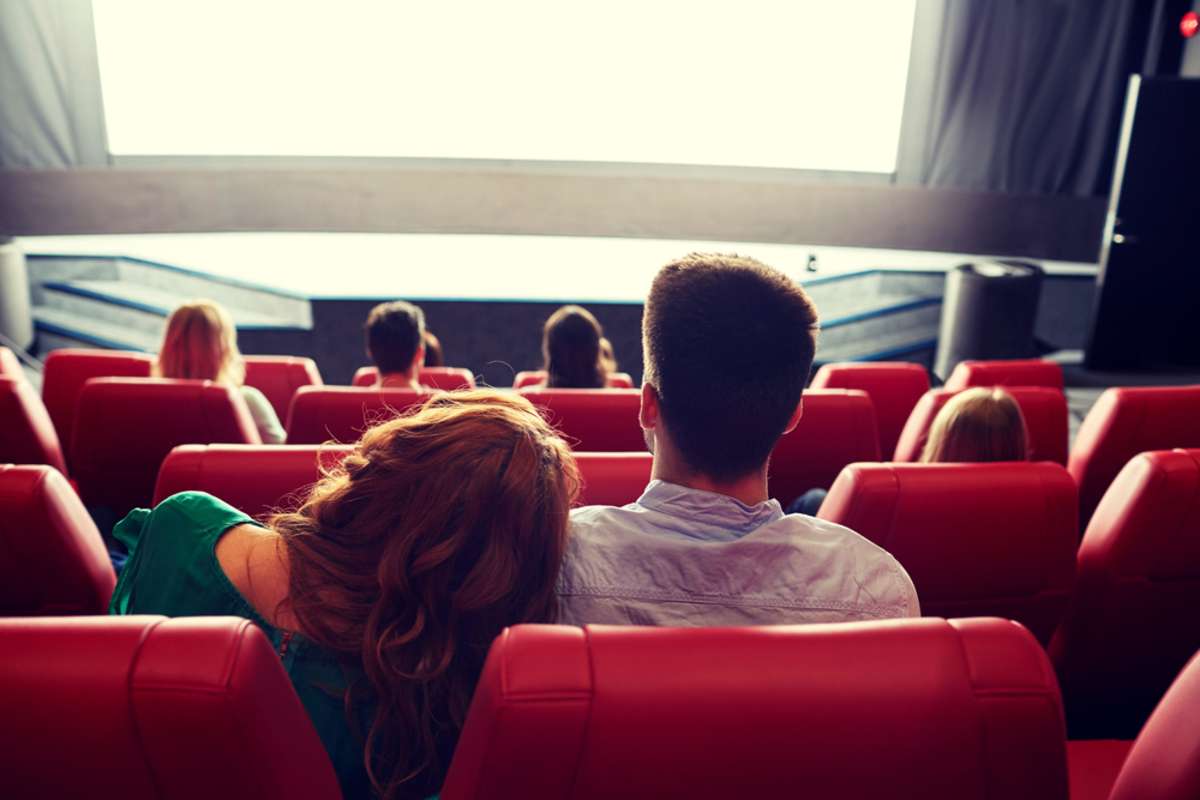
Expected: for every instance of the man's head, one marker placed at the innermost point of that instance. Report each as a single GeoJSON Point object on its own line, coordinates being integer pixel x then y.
{"type": "Point", "coordinates": [394, 336]}
{"type": "Point", "coordinates": [729, 344]}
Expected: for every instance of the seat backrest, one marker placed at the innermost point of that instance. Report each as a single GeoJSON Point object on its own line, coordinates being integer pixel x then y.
{"type": "Point", "coordinates": [125, 427]}
{"type": "Point", "coordinates": [26, 433]}
{"type": "Point", "coordinates": [1165, 760]}
{"type": "Point", "coordinates": [341, 413]}
{"type": "Point", "coordinates": [145, 708]}
{"type": "Point", "coordinates": [893, 386]}
{"type": "Point", "coordinates": [593, 420]}
{"type": "Point", "coordinates": [533, 377]}
{"type": "Point", "coordinates": [906, 708]}
{"type": "Point", "coordinates": [836, 428]}
{"type": "Point", "coordinates": [258, 479]}
{"type": "Point", "coordinates": [278, 378]}
{"type": "Point", "coordinates": [992, 539]}
{"type": "Point", "coordinates": [613, 479]}
{"type": "Point", "coordinates": [1133, 621]}
{"type": "Point", "coordinates": [1123, 423]}
{"type": "Point", "coordinates": [10, 367]}
{"type": "Point", "coordinates": [446, 378]}
{"type": "Point", "coordinates": [1044, 411]}
{"type": "Point", "coordinates": [68, 369]}
{"type": "Point", "coordinates": [1013, 372]}
{"type": "Point", "coordinates": [52, 559]}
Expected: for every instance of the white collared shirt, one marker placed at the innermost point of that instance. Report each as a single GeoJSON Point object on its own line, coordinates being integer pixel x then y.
{"type": "Point", "coordinates": [686, 557]}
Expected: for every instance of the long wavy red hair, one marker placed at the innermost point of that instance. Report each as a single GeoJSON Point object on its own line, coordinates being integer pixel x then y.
{"type": "Point", "coordinates": [439, 530]}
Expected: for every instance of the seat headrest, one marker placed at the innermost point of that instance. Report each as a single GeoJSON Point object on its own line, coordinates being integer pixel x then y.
{"type": "Point", "coordinates": [27, 434]}
{"type": "Point", "coordinates": [593, 420]}
{"type": "Point", "coordinates": [1012, 372]}
{"type": "Point", "coordinates": [911, 708]}
{"type": "Point", "coordinates": [341, 413]}
{"type": "Point", "coordinates": [146, 707]}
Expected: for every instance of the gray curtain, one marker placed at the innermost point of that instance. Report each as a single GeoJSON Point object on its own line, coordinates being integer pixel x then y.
{"type": "Point", "coordinates": [51, 113]}
{"type": "Point", "coordinates": [1018, 96]}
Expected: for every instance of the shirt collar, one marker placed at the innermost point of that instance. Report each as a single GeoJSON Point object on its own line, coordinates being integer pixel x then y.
{"type": "Point", "coordinates": [709, 509]}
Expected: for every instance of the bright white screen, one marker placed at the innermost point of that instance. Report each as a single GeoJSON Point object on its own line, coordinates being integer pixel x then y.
{"type": "Point", "coordinates": [795, 83]}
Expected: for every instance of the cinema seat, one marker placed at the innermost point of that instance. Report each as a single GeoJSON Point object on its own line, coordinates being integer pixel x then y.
{"type": "Point", "coordinates": [992, 539]}
{"type": "Point", "coordinates": [124, 428]}
{"type": "Point", "coordinates": [1044, 410]}
{"type": "Point", "coordinates": [68, 369]}
{"type": "Point", "coordinates": [448, 379]}
{"type": "Point", "coordinates": [907, 708]}
{"type": "Point", "coordinates": [278, 378]}
{"type": "Point", "coordinates": [616, 380]}
{"type": "Point", "coordinates": [1123, 423]}
{"type": "Point", "coordinates": [1016, 372]}
{"type": "Point", "coordinates": [10, 367]}
{"type": "Point", "coordinates": [341, 413]}
{"type": "Point", "coordinates": [26, 433]}
{"type": "Point", "coordinates": [54, 561]}
{"type": "Point", "coordinates": [593, 420]}
{"type": "Point", "coordinates": [147, 708]}
{"type": "Point", "coordinates": [258, 479]}
{"type": "Point", "coordinates": [613, 479]}
{"type": "Point", "coordinates": [1133, 621]}
{"type": "Point", "coordinates": [893, 386]}
{"type": "Point", "coordinates": [836, 428]}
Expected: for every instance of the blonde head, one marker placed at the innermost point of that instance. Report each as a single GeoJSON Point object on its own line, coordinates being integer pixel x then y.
{"type": "Point", "coordinates": [981, 424]}
{"type": "Point", "coordinates": [200, 343]}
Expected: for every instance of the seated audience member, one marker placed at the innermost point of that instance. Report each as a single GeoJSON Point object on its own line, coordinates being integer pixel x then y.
{"type": "Point", "coordinates": [433, 351]}
{"type": "Point", "coordinates": [200, 343]}
{"type": "Point", "coordinates": [980, 424]}
{"type": "Point", "coordinates": [571, 350]}
{"type": "Point", "coordinates": [383, 592]}
{"type": "Point", "coordinates": [607, 355]}
{"type": "Point", "coordinates": [395, 343]}
{"type": "Point", "coordinates": [729, 343]}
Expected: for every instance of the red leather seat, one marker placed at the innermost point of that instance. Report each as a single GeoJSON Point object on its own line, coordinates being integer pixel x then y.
{"type": "Point", "coordinates": [593, 420]}
{"type": "Point", "coordinates": [992, 539]}
{"type": "Point", "coordinates": [145, 708]}
{"type": "Point", "coordinates": [616, 380]}
{"type": "Point", "coordinates": [125, 427]}
{"type": "Point", "coordinates": [258, 479]}
{"type": "Point", "coordinates": [1133, 621]}
{"type": "Point", "coordinates": [26, 433]}
{"type": "Point", "coordinates": [1044, 410]}
{"type": "Point", "coordinates": [613, 479]}
{"type": "Point", "coordinates": [341, 413]}
{"type": "Point", "coordinates": [54, 561]}
{"type": "Point", "coordinates": [445, 378]}
{"type": "Point", "coordinates": [1014, 372]}
{"type": "Point", "coordinates": [837, 428]}
{"type": "Point", "coordinates": [1123, 423]}
{"type": "Point", "coordinates": [68, 369]}
{"type": "Point", "coordinates": [278, 378]}
{"type": "Point", "coordinates": [906, 708]}
{"type": "Point", "coordinates": [893, 386]}
{"type": "Point", "coordinates": [10, 367]}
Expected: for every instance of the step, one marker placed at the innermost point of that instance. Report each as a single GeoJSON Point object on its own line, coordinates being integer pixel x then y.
{"type": "Point", "coordinates": [58, 328]}
{"type": "Point", "coordinates": [150, 301]}
{"type": "Point", "coordinates": [879, 326]}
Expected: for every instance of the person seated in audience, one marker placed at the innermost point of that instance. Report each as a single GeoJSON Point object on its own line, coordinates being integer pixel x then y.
{"type": "Point", "coordinates": [975, 425]}
{"type": "Point", "coordinates": [200, 343]}
{"type": "Point", "coordinates": [607, 356]}
{"type": "Point", "coordinates": [433, 350]}
{"type": "Point", "coordinates": [729, 343]}
{"type": "Point", "coordinates": [396, 343]}
{"type": "Point", "coordinates": [383, 592]}
{"type": "Point", "coordinates": [571, 350]}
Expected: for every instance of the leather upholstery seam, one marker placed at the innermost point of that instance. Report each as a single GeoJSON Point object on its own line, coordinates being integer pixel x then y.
{"type": "Point", "coordinates": [138, 737]}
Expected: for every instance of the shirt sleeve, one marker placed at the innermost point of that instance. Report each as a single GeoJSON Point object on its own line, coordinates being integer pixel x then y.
{"type": "Point", "coordinates": [265, 419]}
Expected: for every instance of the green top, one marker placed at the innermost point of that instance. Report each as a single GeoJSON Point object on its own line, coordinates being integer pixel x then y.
{"type": "Point", "coordinates": [173, 570]}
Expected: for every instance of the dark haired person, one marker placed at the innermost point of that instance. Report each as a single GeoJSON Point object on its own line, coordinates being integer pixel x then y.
{"type": "Point", "coordinates": [384, 590]}
{"type": "Point", "coordinates": [433, 350]}
{"type": "Point", "coordinates": [572, 350]}
{"type": "Point", "coordinates": [729, 343]}
{"type": "Point", "coordinates": [396, 343]}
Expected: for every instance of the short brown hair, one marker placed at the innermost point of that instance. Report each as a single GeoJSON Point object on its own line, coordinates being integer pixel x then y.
{"type": "Point", "coordinates": [395, 331]}
{"type": "Point", "coordinates": [980, 424]}
{"type": "Point", "coordinates": [729, 344]}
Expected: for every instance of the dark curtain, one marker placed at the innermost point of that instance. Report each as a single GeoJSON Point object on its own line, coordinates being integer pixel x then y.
{"type": "Point", "coordinates": [1019, 96]}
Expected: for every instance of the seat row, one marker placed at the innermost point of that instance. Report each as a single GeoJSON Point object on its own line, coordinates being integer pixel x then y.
{"type": "Point", "coordinates": [201, 707]}
{"type": "Point", "coordinates": [1116, 611]}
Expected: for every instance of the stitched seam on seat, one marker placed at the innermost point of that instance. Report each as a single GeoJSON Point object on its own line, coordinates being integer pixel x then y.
{"type": "Point", "coordinates": [984, 763]}
{"type": "Point", "coordinates": [587, 722]}
{"type": "Point", "coordinates": [155, 781]}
